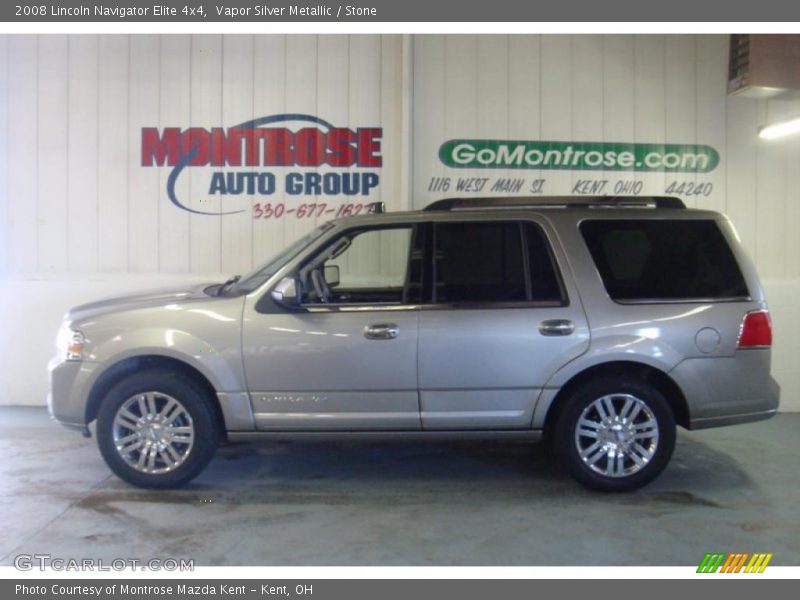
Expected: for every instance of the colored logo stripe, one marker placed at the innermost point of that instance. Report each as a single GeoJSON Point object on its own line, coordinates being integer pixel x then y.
{"type": "Point", "coordinates": [758, 563]}
{"type": "Point", "coordinates": [711, 563]}
{"type": "Point", "coordinates": [734, 562]}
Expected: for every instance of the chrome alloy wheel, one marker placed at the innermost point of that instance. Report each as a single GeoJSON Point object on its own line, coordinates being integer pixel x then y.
{"type": "Point", "coordinates": [153, 432]}
{"type": "Point", "coordinates": [616, 435]}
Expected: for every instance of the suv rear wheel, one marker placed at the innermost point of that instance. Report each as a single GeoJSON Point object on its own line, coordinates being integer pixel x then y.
{"type": "Point", "coordinates": [156, 429]}
{"type": "Point", "coordinates": [615, 433]}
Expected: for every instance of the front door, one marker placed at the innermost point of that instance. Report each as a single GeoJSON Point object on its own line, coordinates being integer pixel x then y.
{"type": "Point", "coordinates": [348, 359]}
{"type": "Point", "coordinates": [502, 320]}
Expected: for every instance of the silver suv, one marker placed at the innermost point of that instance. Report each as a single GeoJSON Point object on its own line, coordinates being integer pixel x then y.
{"type": "Point", "coordinates": [600, 323]}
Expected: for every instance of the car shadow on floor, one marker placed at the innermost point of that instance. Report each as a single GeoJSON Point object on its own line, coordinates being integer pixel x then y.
{"type": "Point", "coordinates": [337, 473]}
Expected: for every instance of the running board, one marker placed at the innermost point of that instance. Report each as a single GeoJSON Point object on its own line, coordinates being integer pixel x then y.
{"type": "Point", "coordinates": [520, 435]}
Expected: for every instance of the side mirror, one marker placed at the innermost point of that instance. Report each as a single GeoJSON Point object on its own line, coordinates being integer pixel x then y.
{"type": "Point", "coordinates": [285, 293]}
{"type": "Point", "coordinates": [331, 274]}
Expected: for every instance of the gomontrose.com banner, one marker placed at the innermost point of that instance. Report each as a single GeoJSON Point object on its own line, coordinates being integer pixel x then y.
{"type": "Point", "coordinates": [478, 154]}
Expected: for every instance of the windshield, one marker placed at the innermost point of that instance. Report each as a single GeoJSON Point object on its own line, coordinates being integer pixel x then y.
{"type": "Point", "coordinates": [260, 274]}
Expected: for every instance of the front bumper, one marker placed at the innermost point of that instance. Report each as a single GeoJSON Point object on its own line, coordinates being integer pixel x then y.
{"type": "Point", "coordinates": [69, 391]}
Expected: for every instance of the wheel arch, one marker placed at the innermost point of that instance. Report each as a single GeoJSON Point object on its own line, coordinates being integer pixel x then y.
{"type": "Point", "coordinates": [656, 377]}
{"type": "Point", "coordinates": [132, 364]}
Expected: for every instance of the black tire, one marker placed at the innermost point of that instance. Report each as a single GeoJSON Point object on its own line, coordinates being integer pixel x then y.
{"type": "Point", "coordinates": [619, 388]}
{"type": "Point", "coordinates": [194, 399]}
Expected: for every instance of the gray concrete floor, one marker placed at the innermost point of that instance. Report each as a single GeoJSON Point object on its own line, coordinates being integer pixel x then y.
{"type": "Point", "coordinates": [731, 489]}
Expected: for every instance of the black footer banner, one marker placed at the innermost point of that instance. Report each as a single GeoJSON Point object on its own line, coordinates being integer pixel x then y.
{"type": "Point", "coordinates": [387, 589]}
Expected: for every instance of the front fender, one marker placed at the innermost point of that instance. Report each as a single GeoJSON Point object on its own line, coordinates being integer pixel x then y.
{"type": "Point", "coordinates": [221, 366]}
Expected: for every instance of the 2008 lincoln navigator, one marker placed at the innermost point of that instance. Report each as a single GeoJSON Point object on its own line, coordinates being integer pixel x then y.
{"type": "Point", "coordinates": [602, 323]}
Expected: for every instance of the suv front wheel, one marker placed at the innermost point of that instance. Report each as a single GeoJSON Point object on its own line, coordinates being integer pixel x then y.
{"type": "Point", "coordinates": [615, 433]}
{"type": "Point", "coordinates": [156, 429]}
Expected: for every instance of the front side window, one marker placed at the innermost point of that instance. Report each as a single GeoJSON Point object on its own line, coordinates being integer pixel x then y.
{"type": "Point", "coordinates": [362, 266]}
{"type": "Point", "coordinates": [662, 259]}
{"type": "Point", "coordinates": [259, 275]}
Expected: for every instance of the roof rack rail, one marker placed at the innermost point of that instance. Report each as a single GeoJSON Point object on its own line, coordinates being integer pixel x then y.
{"type": "Point", "coordinates": [456, 204]}
{"type": "Point", "coordinates": [376, 208]}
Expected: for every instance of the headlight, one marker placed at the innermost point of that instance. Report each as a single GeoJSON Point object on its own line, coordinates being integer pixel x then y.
{"type": "Point", "coordinates": [70, 343]}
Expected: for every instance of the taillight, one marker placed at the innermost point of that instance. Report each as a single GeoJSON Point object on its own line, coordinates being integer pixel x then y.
{"type": "Point", "coordinates": [756, 330]}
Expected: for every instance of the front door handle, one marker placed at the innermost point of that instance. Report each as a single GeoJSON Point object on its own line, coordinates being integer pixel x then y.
{"type": "Point", "coordinates": [381, 331]}
{"type": "Point", "coordinates": [556, 327]}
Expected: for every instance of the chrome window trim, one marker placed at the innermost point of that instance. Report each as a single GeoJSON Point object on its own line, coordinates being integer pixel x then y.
{"type": "Point", "coordinates": [327, 308]}
{"type": "Point", "coordinates": [491, 305]}
{"type": "Point", "coordinates": [652, 301]}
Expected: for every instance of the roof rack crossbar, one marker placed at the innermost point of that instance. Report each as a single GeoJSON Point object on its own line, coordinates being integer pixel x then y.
{"type": "Point", "coordinates": [455, 204]}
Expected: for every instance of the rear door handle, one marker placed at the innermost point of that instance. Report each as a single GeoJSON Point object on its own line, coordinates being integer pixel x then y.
{"type": "Point", "coordinates": [381, 331]}
{"type": "Point", "coordinates": [556, 327]}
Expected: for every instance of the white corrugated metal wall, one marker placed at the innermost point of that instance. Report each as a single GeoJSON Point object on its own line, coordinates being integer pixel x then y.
{"type": "Point", "coordinates": [82, 203]}
{"type": "Point", "coordinates": [80, 217]}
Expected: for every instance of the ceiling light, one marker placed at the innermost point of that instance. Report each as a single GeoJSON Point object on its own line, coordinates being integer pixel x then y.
{"type": "Point", "coordinates": [779, 130]}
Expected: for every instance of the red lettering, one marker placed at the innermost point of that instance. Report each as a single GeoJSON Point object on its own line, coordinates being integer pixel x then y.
{"type": "Point", "coordinates": [197, 142]}
{"type": "Point", "coordinates": [369, 147]}
{"type": "Point", "coordinates": [158, 150]}
{"type": "Point", "coordinates": [277, 147]}
{"type": "Point", "coordinates": [309, 147]}
{"type": "Point", "coordinates": [226, 149]}
{"type": "Point", "coordinates": [340, 147]}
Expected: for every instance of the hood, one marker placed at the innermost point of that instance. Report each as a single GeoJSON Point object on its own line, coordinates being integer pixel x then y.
{"type": "Point", "coordinates": [146, 299]}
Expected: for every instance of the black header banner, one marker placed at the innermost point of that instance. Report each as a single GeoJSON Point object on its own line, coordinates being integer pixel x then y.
{"type": "Point", "coordinates": [343, 11]}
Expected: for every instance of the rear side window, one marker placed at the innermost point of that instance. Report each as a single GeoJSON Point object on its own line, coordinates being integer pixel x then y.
{"type": "Point", "coordinates": [658, 259]}
{"type": "Point", "coordinates": [494, 262]}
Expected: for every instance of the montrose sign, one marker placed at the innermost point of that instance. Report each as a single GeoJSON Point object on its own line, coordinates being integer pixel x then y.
{"type": "Point", "coordinates": [295, 154]}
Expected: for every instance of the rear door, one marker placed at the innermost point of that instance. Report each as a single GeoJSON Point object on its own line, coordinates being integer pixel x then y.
{"type": "Point", "coordinates": [501, 318]}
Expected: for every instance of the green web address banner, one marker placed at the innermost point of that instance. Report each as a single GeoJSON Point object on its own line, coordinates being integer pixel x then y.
{"type": "Point", "coordinates": [581, 156]}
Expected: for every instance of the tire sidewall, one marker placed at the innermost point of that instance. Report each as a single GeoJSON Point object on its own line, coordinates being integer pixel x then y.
{"type": "Point", "coordinates": [589, 392]}
{"type": "Point", "coordinates": [195, 401]}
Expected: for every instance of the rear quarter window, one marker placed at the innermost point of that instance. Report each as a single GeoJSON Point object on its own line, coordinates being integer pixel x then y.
{"type": "Point", "coordinates": [664, 260]}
